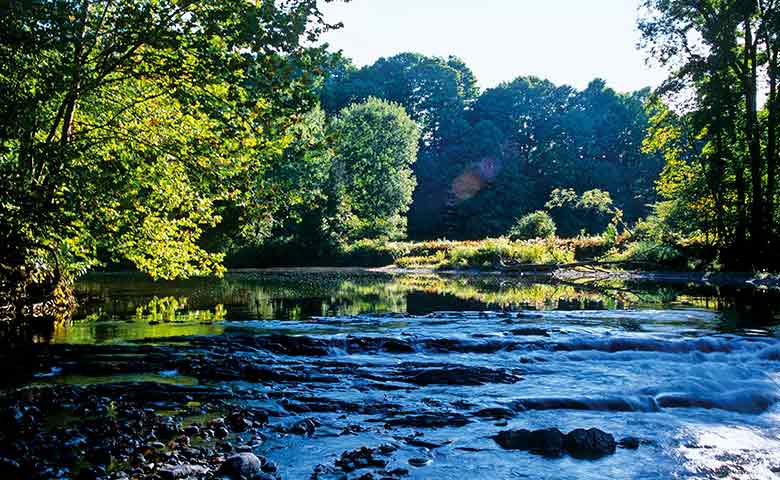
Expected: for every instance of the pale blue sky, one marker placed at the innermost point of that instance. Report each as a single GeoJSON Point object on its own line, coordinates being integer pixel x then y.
{"type": "Point", "coordinates": [565, 41]}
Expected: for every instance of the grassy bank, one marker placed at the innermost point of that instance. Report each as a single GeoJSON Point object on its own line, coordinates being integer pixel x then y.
{"type": "Point", "coordinates": [455, 255]}
{"type": "Point", "coordinates": [486, 254]}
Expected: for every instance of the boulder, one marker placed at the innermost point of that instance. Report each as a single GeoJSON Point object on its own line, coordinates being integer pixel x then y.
{"type": "Point", "coordinates": [244, 466]}
{"type": "Point", "coordinates": [547, 442]}
{"type": "Point", "coordinates": [589, 444]}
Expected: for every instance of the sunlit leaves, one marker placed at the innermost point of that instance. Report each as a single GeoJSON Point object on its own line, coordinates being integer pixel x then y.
{"type": "Point", "coordinates": [128, 127]}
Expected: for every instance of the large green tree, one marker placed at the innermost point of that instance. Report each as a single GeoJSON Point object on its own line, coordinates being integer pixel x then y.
{"type": "Point", "coordinates": [127, 127]}
{"type": "Point", "coordinates": [372, 178]}
{"type": "Point", "coordinates": [435, 92]}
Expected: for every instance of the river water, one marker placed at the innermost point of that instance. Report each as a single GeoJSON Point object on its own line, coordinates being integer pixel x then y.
{"type": "Point", "coordinates": [436, 366]}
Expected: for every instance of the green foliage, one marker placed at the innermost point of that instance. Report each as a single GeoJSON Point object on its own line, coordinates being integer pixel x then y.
{"type": "Point", "coordinates": [487, 158]}
{"type": "Point", "coordinates": [720, 145]}
{"type": "Point", "coordinates": [488, 253]}
{"type": "Point", "coordinates": [376, 147]}
{"type": "Point", "coordinates": [597, 203]}
{"type": "Point", "coordinates": [538, 224]}
{"type": "Point", "coordinates": [128, 128]}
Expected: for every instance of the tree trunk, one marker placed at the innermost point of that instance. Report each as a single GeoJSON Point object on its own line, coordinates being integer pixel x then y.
{"type": "Point", "coordinates": [772, 152]}
{"type": "Point", "coordinates": [753, 145]}
{"type": "Point", "coordinates": [75, 83]}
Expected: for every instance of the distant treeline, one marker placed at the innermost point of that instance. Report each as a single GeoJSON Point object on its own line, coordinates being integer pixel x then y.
{"type": "Point", "coordinates": [486, 159]}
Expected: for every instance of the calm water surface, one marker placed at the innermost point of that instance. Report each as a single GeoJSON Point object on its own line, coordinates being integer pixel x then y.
{"type": "Point", "coordinates": [693, 371]}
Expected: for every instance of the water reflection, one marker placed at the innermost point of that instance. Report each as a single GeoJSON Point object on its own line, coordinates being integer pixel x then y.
{"type": "Point", "coordinates": [125, 306]}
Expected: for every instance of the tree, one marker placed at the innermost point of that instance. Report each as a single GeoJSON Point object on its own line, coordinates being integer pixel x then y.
{"type": "Point", "coordinates": [376, 147]}
{"type": "Point", "coordinates": [720, 50]}
{"type": "Point", "coordinates": [128, 127]}
{"type": "Point", "coordinates": [435, 92]}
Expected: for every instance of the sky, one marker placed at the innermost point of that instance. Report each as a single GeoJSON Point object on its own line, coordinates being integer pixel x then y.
{"type": "Point", "coordinates": [565, 41]}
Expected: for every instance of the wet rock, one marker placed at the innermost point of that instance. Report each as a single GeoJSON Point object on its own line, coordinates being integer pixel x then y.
{"type": "Point", "coordinates": [239, 423]}
{"type": "Point", "coordinates": [175, 472]}
{"type": "Point", "coordinates": [420, 462]}
{"type": "Point", "coordinates": [396, 472]}
{"type": "Point", "coordinates": [192, 430]}
{"type": "Point", "coordinates": [244, 466]}
{"type": "Point", "coordinates": [497, 412]}
{"type": "Point", "coordinates": [325, 472]}
{"type": "Point", "coordinates": [629, 443]}
{"type": "Point", "coordinates": [307, 427]}
{"type": "Point", "coordinates": [270, 467]}
{"type": "Point", "coordinates": [353, 429]}
{"type": "Point", "coordinates": [416, 442]}
{"type": "Point", "coordinates": [429, 420]}
{"type": "Point", "coordinates": [589, 444]}
{"type": "Point", "coordinates": [360, 458]}
{"type": "Point", "coordinates": [293, 345]}
{"type": "Point", "coordinates": [530, 332]}
{"type": "Point", "coordinates": [458, 375]}
{"type": "Point", "coordinates": [547, 442]}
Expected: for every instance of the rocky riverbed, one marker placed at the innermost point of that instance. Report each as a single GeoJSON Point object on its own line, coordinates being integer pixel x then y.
{"type": "Point", "coordinates": [446, 394]}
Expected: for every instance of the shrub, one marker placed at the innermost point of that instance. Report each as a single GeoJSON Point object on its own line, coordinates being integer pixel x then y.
{"type": "Point", "coordinates": [538, 224]}
{"type": "Point", "coordinates": [487, 253]}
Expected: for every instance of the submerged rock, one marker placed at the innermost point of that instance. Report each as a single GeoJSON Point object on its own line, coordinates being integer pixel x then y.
{"type": "Point", "coordinates": [429, 420]}
{"type": "Point", "coordinates": [547, 442]}
{"type": "Point", "coordinates": [589, 444]}
{"type": "Point", "coordinates": [420, 462]}
{"type": "Point", "coordinates": [579, 443]}
{"type": "Point", "coordinates": [361, 458]}
{"type": "Point", "coordinates": [307, 427]}
{"type": "Point", "coordinates": [495, 412]}
{"type": "Point", "coordinates": [629, 443]}
{"type": "Point", "coordinates": [459, 375]}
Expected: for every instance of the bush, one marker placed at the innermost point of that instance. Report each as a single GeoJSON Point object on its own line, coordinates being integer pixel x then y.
{"type": "Point", "coordinates": [488, 253]}
{"type": "Point", "coordinates": [538, 224]}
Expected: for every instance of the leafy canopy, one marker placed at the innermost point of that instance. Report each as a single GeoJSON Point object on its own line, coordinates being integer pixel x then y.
{"type": "Point", "coordinates": [127, 127]}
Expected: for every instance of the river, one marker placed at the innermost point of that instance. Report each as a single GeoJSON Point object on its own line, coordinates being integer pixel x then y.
{"type": "Point", "coordinates": [423, 371]}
